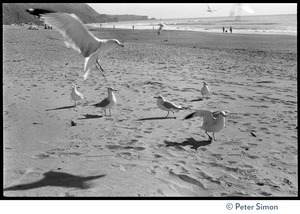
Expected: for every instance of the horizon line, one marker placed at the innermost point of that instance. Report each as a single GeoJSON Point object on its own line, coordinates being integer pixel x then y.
{"type": "Point", "coordinates": [226, 16]}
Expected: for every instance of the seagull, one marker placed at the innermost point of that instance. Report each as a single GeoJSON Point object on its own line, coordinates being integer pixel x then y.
{"type": "Point", "coordinates": [209, 9]}
{"type": "Point", "coordinates": [205, 90]}
{"type": "Point", "coordinates": [108, 102]}
{"type": "Point", "coordinates": [78, 37]}
{"type": "Point", "coordinates": [166, 105]}
{"type": "Point", "coordinates": [161, 25]}
{"type": "Point", "coordinates": [75, 95]}
{"type": "Point", "coordinates": [212, 121]}
{"type": "Point", "coordinates": [237, 8]}
{"type": "Point", "coordinates": [246, 8]}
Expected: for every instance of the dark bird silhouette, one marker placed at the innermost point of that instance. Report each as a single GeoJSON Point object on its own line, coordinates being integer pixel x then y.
{"type": "Point", "coordinates": [59, 179]}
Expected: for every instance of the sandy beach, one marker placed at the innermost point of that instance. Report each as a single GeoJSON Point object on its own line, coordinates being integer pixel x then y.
{"type": "Point", "coordinates": [137, 152]}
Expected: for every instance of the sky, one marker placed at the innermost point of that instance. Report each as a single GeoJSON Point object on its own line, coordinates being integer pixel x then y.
{"type": "Point", "coordinates": [188, 10]}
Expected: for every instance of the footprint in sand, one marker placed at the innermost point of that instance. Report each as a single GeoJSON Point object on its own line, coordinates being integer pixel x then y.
{"type": "Point", "coordinates": [59, 152]}
{"type": "Point", "coordinates": [120, 166]}
{"type": "Point", "coordinates": [132, 153]}
{"type": "Point", "coordinates": [232, 162]}
{"type": "Point", "coordinates": [138, 136]}
{"type": "Point", "coordinates": [117, 147]}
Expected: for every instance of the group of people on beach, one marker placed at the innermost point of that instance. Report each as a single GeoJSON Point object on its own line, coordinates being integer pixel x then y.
{"type": "Point", "coordinates": [48, 27]}
{"type": "Point", "coordinates": [225, 31]}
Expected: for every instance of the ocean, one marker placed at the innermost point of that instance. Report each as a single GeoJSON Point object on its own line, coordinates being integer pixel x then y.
{"type": "Point", "coordinates": [267, 24]}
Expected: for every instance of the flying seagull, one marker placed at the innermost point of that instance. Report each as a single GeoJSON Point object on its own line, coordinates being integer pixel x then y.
{"type": "Point", "coordinates": [212, 121]}
{"type": "Point", "coordinates": [238, 8]}
{"type": "Point", "coordinates": [209, 9]}
{"type": "Point", "coordinates": [78, 37]}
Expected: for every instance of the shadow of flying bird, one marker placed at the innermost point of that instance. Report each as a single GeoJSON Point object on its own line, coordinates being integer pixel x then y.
{"type": "Point", "coordinates": [189, 142]}
{"type": "Point", "coordinates": [58, 179]}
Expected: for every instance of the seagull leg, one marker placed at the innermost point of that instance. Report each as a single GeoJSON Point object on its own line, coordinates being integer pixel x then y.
{"type": "Point", "coordinates": [109, 113]}
{"type": "Point", "coordinates": [167, 114]}
{"type": "Point", "coordinates": [210, 138]}
{"type": "Point", "coordinates": [214, 136]}
{"type": "Point", "coordinates": [100, 69]}
{"type": "Point", "coordinates": [173, 114]}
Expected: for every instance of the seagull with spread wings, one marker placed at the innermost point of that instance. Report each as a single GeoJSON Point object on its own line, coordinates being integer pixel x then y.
{"type": "Point", "coordinates": [78, 37]}
{"type": "Point", "coordinates": [212, 121]}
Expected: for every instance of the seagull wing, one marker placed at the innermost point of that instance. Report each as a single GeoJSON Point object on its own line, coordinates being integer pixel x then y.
{"type": "Point", "coordinates": [74, 31]}
{"type": "Point", "coordinates": [190, 115]}
{"type": "Point", "coordinates": [80, 95]}
{"type": "Point", "coordinates": [233, 9]}
{"type": "Point", "coordinates": [208, 120]}
{"type": "Point", "coordinates": [170, 105]}
{"type": "Point", "coordinates": [200, 113]}
{"type": "Point", "coordinates": [247, 8]}
{"type": "Point", "coordinates": [103, 103]}
{"type": "Point", "coordinates": [215, 114]}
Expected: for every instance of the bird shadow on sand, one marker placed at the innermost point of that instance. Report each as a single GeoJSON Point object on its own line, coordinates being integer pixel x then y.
{"type": "Point", "coordinates": [156, 118]}
{"type": "Point", "coordinates": [90, 116]}
{"type": "Point", "coordinates": [189, 142]}
{"type": "Point", "coordinates": [58, 179]}
{"type": "Point", "coordinates": [60, 108]}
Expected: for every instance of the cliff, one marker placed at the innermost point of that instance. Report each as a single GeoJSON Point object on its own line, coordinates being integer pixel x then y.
{"type": "Point", "coordinates": [15, 13]}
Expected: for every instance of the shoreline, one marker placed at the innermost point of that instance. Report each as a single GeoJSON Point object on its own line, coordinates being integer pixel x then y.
{"type": "Point", "coordinates": [213, 30]}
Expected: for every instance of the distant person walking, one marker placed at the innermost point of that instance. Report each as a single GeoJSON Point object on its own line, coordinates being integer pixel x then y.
{"type": "Point", "coordinates": [161, 25]}
{"type": "Point", "coordinates": [230, 28]}
{"type": "Point", "coordinates": [133, 27]}
{"type": "Point", "coordinates": [223, 29]}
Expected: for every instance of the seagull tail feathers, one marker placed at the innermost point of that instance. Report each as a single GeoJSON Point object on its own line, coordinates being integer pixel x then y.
{"type": "Point", "coordinates": [85, 76]}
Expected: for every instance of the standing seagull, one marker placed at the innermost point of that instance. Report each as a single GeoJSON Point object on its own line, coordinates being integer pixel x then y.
{"type": "Point", "coordinates": [75, 95]}
{"type": "Point", "coordinates": [205, 90]}
{"type": "Point", "coordinates": [209, 9]}
{"type": "Point", "coordinates": [78, 37]}
{"type": "Point", "coordinates": [212, 121]}
{"type": "Point", "coordinates": [108, 102]}
{"type": "Point", "coordinates": [166, 105]}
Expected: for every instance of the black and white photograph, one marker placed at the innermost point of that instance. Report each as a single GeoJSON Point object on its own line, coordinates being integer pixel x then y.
{"type": "Point", "coordinates": [150, 100]}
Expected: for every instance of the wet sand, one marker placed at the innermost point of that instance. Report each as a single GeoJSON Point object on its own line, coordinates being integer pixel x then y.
{"type": "Point", "coordinates": [137, 151]}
